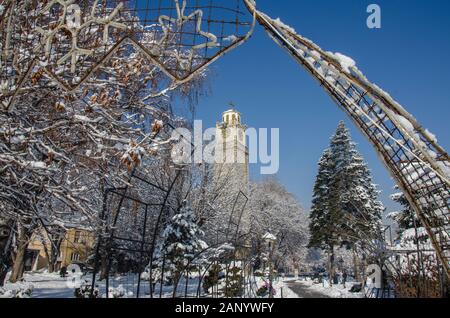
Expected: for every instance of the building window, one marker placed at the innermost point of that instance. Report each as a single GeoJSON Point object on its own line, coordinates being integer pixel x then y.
{"type": "Point", "coordinates": [75, 257]}
{"type": "Point", "coordinates": [77, 238]}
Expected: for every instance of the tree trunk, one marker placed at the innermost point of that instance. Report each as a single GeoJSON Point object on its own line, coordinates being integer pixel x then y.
{"type": "Point", "coordinates": [51, 266]}
{"type": "Point", "coordinates": [3, 274]}
{"type": "Point", "coordinates": [47, 254]}
{"type": "Point", "coordinates": [177, 278]}
{"type": "Point", "coordinates": [5, 250]}
{"type": "Point", "coordinates": [356, 265]}
{"type": "Point", "coordinates": [19, 259]}
{"type": "Point", "coordinates": [103, 266]}
{"type": "Point", "coordinates": [18, 267]}
{"type": "Point", "coordinates": [364, 276]}
{"type": "Point", "coordinates": [331, 265]}
{"type": "Point", "coordinates": [54, 253]}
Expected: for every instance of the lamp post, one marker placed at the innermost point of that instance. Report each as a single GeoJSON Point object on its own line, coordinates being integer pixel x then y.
{"type": "Point", "coordinates": [270, 240]}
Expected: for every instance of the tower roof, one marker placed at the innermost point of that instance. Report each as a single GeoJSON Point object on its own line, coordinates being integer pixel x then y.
{"type": "Point", "coordinates": [231, 117]}
{"type": "Point", "coordinates": [231, 111]}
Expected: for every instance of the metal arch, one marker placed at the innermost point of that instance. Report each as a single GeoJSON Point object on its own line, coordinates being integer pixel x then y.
{"type": "Point", "coordinates": [376, 115]}
{"type": "Point", "coordinates": [403, 152]}
{"type": "Point", "coordinates": [155, 18]}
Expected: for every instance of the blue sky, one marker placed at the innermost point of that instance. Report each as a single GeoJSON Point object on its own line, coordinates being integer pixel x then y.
{"type": "Point", "coordinates": [408, 57]}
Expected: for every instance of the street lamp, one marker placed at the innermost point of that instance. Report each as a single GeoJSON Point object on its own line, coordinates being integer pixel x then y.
{"type": "Point", "coordinates": [270, 240]}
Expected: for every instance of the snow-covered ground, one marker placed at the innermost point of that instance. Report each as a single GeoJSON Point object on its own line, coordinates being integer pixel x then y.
{"type": "Point", "coordinates": [45, 285]}
{"type": "Point", "coordinates": [335, 291]}
{"type": "Point", "coordinates": [283, 291]}
{"type": "Point", "coordinates": [294, 288]}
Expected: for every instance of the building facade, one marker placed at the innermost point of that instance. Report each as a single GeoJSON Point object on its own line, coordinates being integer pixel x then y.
{"type": "Point", "coordinates": [75, 247]}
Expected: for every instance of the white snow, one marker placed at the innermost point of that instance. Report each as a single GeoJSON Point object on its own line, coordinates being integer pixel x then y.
{"type": "Point", "coordinates": [36, 164]}
{"type": "Point", "coordinates": [269, 237]}
{"type": "Point", "coordinates": [347, 63]}
{"type": "Point", "coordinates": [231, 38]}
{"type": "Point", "coordinates": [45, 285]}
{"type": "Point", "coordinates": [283, 291]}
{"type": "Point", "coordinates": [284, 25]}
{"type": "Point", "coordinates": [431, 136]}
{"type": "Point", "coordinates": [334, 291]}
{"type": "Point", "coordinates": [405, 123]}
{"type": "Point", "coordinates": [86, 119]}
{"type": "Point", "coordinates": [18, 290]}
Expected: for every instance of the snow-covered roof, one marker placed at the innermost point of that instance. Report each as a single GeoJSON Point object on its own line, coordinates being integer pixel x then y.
{"type": "Point", "coordinates": [231, 111]}
{"type": "Point", "coordinates": [269, 237]}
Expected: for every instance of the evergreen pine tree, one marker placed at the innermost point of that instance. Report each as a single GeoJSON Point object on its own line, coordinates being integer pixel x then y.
{"type": "Point", "coordinates": [354, 195]}
{"type": "Point", "coordinates": [345, 207]}
{"type": "Point", "coordinates": [181, 241]}
{"type": "Point", "coordinates": [321, 229]}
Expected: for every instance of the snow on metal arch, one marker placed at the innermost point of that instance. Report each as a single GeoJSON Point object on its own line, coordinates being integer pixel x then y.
{"type": "Point", "coordinates": [69, 40]}
{"type": "Point", "coordinates": [411, 153]}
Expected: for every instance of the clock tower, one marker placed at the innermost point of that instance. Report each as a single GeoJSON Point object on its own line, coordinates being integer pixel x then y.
{"type": "Point", "coordinates": [231, 156]}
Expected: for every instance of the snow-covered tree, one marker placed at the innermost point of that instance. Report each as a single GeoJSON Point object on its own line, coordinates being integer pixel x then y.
{"type": "Point", "coordinates": [273, 209]}
{"type": "Point", "coordinates": [322, 218]}
{"type": "Point", "coordinates": [60, 149]}
{"type": "Point", "coordinates": [346, 209]}
{"type": "Point", "coordinates": [181, 243]}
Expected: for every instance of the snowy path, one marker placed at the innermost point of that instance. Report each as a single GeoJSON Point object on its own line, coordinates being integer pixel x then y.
{"type": "Point", "coordinates": [304, 291]}
{"type": "Point", "coordinates": [308, 289]}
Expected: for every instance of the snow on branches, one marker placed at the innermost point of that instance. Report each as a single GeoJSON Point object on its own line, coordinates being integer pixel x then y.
{"type": "Point", "coordinates": [345, 209]}
{"type": "Point", "coordinates": [73, 124]}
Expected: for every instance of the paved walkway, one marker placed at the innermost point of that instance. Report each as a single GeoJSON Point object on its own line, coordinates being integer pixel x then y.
{"type": "Point", "coordinates": [304, 291]}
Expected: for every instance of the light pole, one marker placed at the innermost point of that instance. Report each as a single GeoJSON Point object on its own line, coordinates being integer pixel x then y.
{"type": "Point", "coordinates": [270, 240]}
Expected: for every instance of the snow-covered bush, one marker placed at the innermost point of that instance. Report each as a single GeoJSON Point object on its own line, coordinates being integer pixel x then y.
{"type": "Point", "coordinates": [181, 242]}
{"type": "Point", "coordinates": [212, 278]}
{"type": "Point", "coordinates": [119, 292]}
{"type": "Point", "coordinates": [234, 283]}
{"type": "Point", "coordinates": [264, 290]}
{"type": "Point", "coordinates": [84, 291]}
{"type": "Point", "coordinates": [18, 290]}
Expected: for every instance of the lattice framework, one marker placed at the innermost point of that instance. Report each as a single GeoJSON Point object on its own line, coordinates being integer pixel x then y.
{"type": "Point", "coordinates": [413, 157]}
